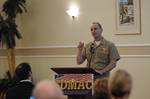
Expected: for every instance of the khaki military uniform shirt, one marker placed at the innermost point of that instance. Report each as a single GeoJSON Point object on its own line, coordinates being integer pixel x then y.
{"type": "Point", "coordinates": [101, 54]}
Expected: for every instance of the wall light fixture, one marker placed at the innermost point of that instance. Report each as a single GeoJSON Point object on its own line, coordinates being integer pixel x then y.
{"type": "Point", "coordinates": [73, 11]}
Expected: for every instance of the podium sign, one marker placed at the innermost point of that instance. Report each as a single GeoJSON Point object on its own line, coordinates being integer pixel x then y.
{"type": "Point", "coordinates": [75, 81]}
{"type": "Point", "coordinates": [75, 84]}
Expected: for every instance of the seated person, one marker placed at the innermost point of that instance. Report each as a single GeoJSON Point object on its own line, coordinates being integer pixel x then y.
{"type": "Point", "coordinates": [120, 85]}
{"type": "Point", "coordinates": [22, 89]}
{"type": "Point", "coordinates": [101, 90]}
{"type": "Point", "coordinates": [47, 90]}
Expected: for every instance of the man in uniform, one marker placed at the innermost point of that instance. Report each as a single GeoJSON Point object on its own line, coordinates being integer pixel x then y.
{"type": "Point", "coordinates": [101, 54]}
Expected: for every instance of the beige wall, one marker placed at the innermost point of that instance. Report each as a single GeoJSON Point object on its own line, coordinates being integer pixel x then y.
{"type": "Point", "coordinates": [50, 37]}
{"type": "Point", "coordinates": [42, 59]}
{"type": "Point", "coordinates": [47, 23]}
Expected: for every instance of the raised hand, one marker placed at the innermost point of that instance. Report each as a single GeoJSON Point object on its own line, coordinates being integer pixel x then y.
{"type": "Point", "coordinates": [80, 45]}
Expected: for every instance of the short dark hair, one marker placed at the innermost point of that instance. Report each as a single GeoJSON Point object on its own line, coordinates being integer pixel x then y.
{"type": "Point", "coordinates": [22, 71]}
{"type": "Point", "coordinates": [100, 26]}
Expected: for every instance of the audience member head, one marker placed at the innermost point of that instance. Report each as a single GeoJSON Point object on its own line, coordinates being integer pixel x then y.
{"type": "Point", "coordinates": [120, 84]}
{"type": "Point", "coordinates": [101, 89]}
{"type": "Point", "coordinates": [23, 71]}
{"type": "Point", "coordinates": [47, 90]}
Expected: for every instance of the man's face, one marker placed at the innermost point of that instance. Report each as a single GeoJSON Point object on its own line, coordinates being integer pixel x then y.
{"type": "Point", "coordinates": [96, 31]}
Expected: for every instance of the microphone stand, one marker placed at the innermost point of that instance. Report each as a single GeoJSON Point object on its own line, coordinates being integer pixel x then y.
{"type": "Point", "coordinates": [92, 49]}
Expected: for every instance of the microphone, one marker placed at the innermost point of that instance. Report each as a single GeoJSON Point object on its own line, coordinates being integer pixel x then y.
{"type": "Point", "coordinates": [92, 49]}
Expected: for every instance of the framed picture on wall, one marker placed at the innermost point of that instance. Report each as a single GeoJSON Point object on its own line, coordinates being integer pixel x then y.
{"type": "Point", "coordinates": [128, 17]}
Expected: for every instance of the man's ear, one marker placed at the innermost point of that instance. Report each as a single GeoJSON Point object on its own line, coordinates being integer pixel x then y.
{"type": "Point", "coordinates": [30, 73]}
{"type": "Point", "coordinates": [101, 30]}
{"type": "Point", "coordinates": [31, 76]}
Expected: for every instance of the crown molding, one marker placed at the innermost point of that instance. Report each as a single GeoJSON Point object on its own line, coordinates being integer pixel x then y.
{"type": "Point", "coordinates": [74, 46]}
{"type": "Point", "coordinates": [133, 45]}
{"type": "Point", "coordinates": [74, 56]}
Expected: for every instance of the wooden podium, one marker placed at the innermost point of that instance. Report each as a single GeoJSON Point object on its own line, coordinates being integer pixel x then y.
{"type": "Point", "coordinates": [75, 81]}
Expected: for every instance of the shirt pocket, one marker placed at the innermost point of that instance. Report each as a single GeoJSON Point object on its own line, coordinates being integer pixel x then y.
{"type": "Point", "coordinates": [103, 54]}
